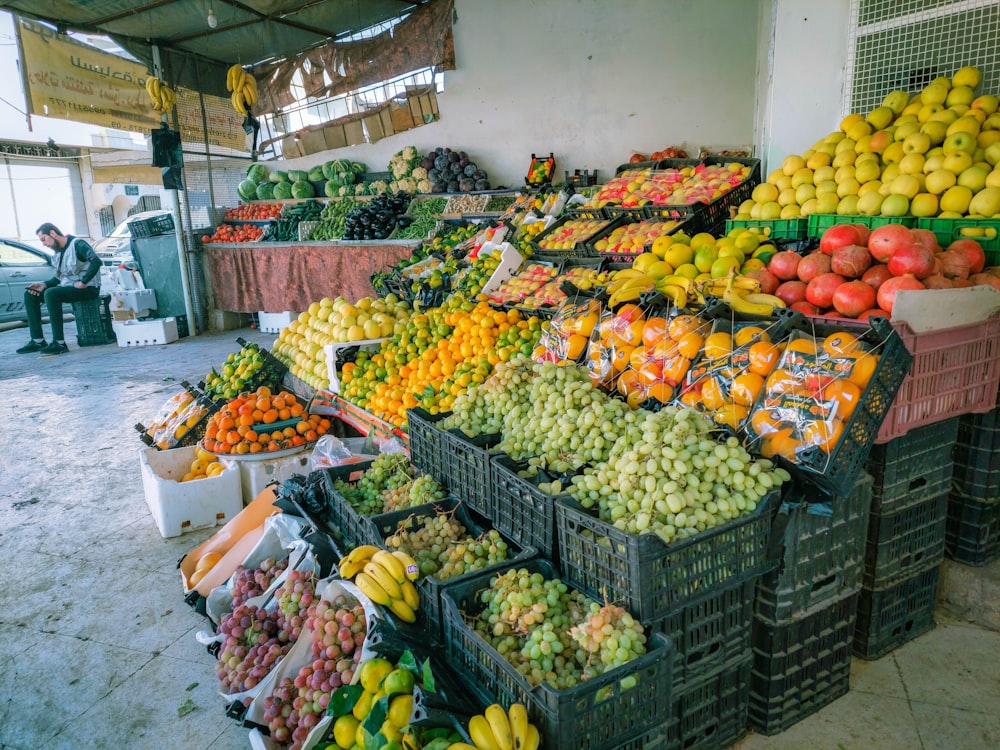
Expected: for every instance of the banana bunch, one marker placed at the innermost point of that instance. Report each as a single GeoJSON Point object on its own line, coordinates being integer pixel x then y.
{"type": "Point", "coordinates": [742, 294]}
{"type": "Point", "coordinates": [162, 96]}
{"type": "Point", "coordinates": [244, 88]}
{"type": "Point", "coordinates": [496, 729]}
{"type": "Point", "coordinates": [384, 577]}
{"type": "Point", "coordinates": [627, 285]}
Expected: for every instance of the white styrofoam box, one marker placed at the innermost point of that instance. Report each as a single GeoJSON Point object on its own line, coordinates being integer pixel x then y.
{"type": "Point", "coordinates": [145, 332]}
{"type": "Point", "coordinates": [255, 474]}
{"type": "Point", "coordinates": [125, 279]}
{"type": "Point", "coordinates": [332, 350]}
{"type": "Point", "coordinates": [179, 507]}
{"type": "Point", "coordinates": [274, 322]}
{"type": "Point", "coordinates": [510, 262]}
{"type": "Point", "coordinates": [139, 301]}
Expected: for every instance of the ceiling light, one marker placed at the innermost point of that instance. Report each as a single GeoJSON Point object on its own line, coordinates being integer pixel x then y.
{"type": "Point", "coordinates": [212, 20]}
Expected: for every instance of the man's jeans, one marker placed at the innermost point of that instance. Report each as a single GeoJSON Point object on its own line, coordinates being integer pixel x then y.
{"type": "Point", "coordinates": [54, 298]}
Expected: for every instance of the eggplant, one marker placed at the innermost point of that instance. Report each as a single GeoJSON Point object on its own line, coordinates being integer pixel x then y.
{"type": "Point", "coordinates": [470, 170]}
{"type": "Point", "coordinates": [453, 157]}
{"type": "Point", "coordinates": [456, 168]}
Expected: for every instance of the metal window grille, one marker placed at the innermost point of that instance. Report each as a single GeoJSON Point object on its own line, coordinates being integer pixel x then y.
{"type": "Point", "coordinates": [905, 44]}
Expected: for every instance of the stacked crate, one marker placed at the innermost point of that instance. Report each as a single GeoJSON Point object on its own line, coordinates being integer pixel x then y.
{"type": "Point", "coordinates": [804, 610]}
{"type": "Point", "coordinates": [972, 531]}
{"type": "Point", "coordinates": [906, 532]}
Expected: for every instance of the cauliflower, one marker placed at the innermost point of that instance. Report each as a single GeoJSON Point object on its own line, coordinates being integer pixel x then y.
{"type": "Point", "coordinates": [378, 187]}
{"type": "Point", "coordinates": [410, 153]}
{"type": "Point", "coordinates": [408, 185]}
{"type": "Point", "coordinates": [361, 189]}
{"type": "Point", "coordinates": [425, 186]}
{"type": "Point", "coordinates": [419, 173]}
{"type": "Point", "coordinates": [344, 190]}
{"type": "Point", "coordinates": [400, 170]}
{"type": "Point", "coordinates": [393, 186]}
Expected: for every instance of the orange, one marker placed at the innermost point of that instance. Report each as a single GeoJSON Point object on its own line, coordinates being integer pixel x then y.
{"type": "Point", "coordinates": [763, 358]}
{"type": "Point", "coordinates": [630, 382]}
{"type": "Point", "coordinates": [650, 373]}
{"type": "Point", "coordinates": [781, 443]}
{"type": "Point", "coordinates": [746, 388]}
{"type": "Point", "coordinates": [662, 392]}
{"type": "Point", "coordinates": [631, 313]}
{"type": "Point", "coordinates": [864, 368]}
{"type": "Point", "coordinates": [765, 422]}
{"type": "Point", "coordinates": [681, 325]}
{"type": "Point", "coordinates": [711, 394]}
{"type": "Point", "coordinates": [666, 349]}
{"type": "Point", "coordinates": [783, 381]}
{"type": "Point", "coordinates": [803, 344]}
{"type": "Point", "coordinates": [620, 357]}
{"type": "Point", "coordinates": [654, 331]}
{"type": "Point", "coordinates": [639, 356]}
{"type": "Point", "coordinates": [846, 394]}
{"type": "Point", "coordinates": [691, 399]}
{"type": "Point", "coordinates": [718, 344]}
{"type": "Point", "coordinates": [823, 433]}
{"type": "Point", "coordinates": [636, 397]}
{"type": "Point", "coordinates": [731, 415]}
{"type": "Point", "coordinates": [690, 344]}
{"type": "Point", "coordinates": [841, 343]}
{"type": "Point", "coordinates": [575, 346]}
{"type": "Point", "coordinates": [674, 369]}
{"type": "Point", "coordinates": [749, 334]}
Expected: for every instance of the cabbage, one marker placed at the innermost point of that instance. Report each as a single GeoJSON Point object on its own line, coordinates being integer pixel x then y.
{"type": "Point", "coordinates": [257, 173]}
{"type": "Point", "coordinates": [265, 191]}
{"type": "Point", "coordinates": [316, 174]}
{"type": "Point", "coordinates": [283, 191]}
{"type": "Point", "coordinates": [247, 190]}
{"type": "Point", "coordinates": [303, 189]}
{"type": "Point", "coordinates": [330, 189]}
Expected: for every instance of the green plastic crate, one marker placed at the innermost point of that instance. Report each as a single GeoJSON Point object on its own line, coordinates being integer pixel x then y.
{"type": "Point", "coordinates": [795, 229]}
{"type": "Point", "coordinates": [984, 231]}
{"type": "Point", "coordinates": [819, 223]}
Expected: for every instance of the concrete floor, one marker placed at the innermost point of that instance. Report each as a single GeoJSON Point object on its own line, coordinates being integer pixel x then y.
{"type": "Point", "coordinates": [97, 647]}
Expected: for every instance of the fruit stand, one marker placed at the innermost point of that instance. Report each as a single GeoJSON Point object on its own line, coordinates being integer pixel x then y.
{"type": "Point", "coordinates": [624, 474]}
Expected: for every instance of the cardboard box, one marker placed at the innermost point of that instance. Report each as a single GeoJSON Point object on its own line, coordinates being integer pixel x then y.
{"type": "Point", "coordinates": [335, 136]}
{"type": "Point", "coordinates": [422, 101]}
{"type": "Point", "coordinates": [145, 332]}
{"type": "Point", "coordinates": [255, 475]}
{"type": "Point", "coordinates": [378, 123]}
{"type": "Point", "coordinates": [312, 141]}
{"type": "Point", "coordinates": [401, 118]}
{"type": "Point", "coordinates": [274, 322]}
{"type": "Point", "coordinates": [355, 132]}
{"type": "Point", "coordinates": [179, 507]}
{"type": "Point", "coordinates": [290, 147]}
{"type": "Point", "coordinates": [122, 315]}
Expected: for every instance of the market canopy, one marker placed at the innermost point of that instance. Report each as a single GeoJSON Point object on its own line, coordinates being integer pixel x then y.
{"type": "Point", "coordinates": [195, 54]}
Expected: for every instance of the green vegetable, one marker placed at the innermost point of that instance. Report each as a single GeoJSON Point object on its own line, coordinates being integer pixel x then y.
{"type": "Point", "coordinates": [257, 173]}
{"type": "Point", "coordinates": [302, 189]}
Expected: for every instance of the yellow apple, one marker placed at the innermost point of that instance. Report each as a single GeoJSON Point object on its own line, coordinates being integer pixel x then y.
{"type": "Point", "coordinates": [956, 199]}
{"type": "Point", "coordinates": [821, 158]}
{"type": "Point", "coordinates": [905, 129]}
{"type": "Point", "coordinates": [895, 205]}
{"type": "Point", "coordinates": [986, 202]}
{"type": "Point", "coordinates": [881, 116]}
{"type": "Point", "coordinates": [986, 103]}
{"type": "Point", "coordinates": [959, 141]}
{"type": "Point", "coordinates": [893, 153]}
{"type": "Point", "coordinates": [924, 205]}
{"type": "Point", "coordinates": [850, 120]}
{"type": "Point", "coordinates": [911, 164]}
{"type": "Point", "coordinates": [896, 101]}
{"type": "Point", "coordinates": [935, 130]}
{"type": "Point", "coordinates": [939, 181]}
{"type": "Point", "coordinates": [917, 143]}
{"type": "Point", "coordinates": [967, 76]}
{"type": "Point", "coordinates": [792, 163]}
{"type": "Point", "coordinates": [965, 125]}
{"type": "Point", "coordinates": [848, 206]}
{"type": "Point", "coordinates": [870, 204]}
{"type": "Point", "coordinates": [960, 95]}
{"type": "Point", "coordinates": [957, 162]}
{"type": "Point", "coordinates": [973, 178]}
{"type": "Point", "coordinates": [905, 184]}
{"type": "Point", "coordinates": [802, 176]}
{"type": "Point", "coordinates": [808, 208]}
{"type": "Point", "coordinates": [871, 186]}
{"type": "Point", "coordinates": [823, 174]}
{"type": "Point", "coordinates": [933, 163]}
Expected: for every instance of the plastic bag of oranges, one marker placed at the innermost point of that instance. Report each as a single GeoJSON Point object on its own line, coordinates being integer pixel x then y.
{"type": "Point", "coordinates": [729, 374]}
{"type": "Point", "coordinates": [566, 337]}
{"type": "Point", "coordinates": [809, 397]}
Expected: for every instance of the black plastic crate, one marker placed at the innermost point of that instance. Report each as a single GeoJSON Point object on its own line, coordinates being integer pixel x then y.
{"type": "Point", "coordinates": [715, 213]}
{"type": "Point", "coordinates": [593, 715]}
{"type": "Point", "coordinates": [712, 714]}
{"type": "Point", "coordinates": [93, 321]}
{"type": "Point", "coordinates": [520, 509]}
{"type": "Point", "coordinates": [459, 463]}
{"type": "Point", "coordinates": [976, 470]}
{"type": "Point", "coordinates": [385, 524]}
{"type": "Point", "coordinates": [801, 667]}
{"type": "Point", "coordinates": [891, 617]}
{"type": "Point", "coordinates": [163, 224]}
{"type": "Point", "coordinates": [914, 467]}
{"type": "Point", "coordinates": [653, 579]}
{"type": "Point", "coordinates": [972, 530]}
{"type": "Point", "coordinates": [709, 633]}
{"type": "Point", "coordinates": [904, 542]}
{"type": "Point", "coordinates": [348, 527]}
{"type": "Point", "coordinates": [580, 250]}
{"type": "Point", "coordinates": [821, 556]}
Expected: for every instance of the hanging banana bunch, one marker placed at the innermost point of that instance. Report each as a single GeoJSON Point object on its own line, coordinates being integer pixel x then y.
{"type": "Point", "coordinates": [244, 88]}
{"type": "Point", "coordinates": [160, 94]}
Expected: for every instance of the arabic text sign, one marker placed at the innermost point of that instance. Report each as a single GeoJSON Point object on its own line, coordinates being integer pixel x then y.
{"type": "Point", "coordinates": [224, 125]}
{"type": "Point", "coordinates": [71, 81]}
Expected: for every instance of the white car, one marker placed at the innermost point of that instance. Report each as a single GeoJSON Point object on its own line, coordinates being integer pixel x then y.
{"type": "Point", "coordinates": [116, 248]}
{"type": "Point", "coordinates": [20, 266]}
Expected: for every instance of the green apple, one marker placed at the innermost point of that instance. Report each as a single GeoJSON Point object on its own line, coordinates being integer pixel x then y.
{"type": "Point", "coordinates": [881, 116]}
{"type": "Point", "coordinates": [848, 206]}
{"type": "Point", "coordinates": [986, 202]}
{"type": "Point", "coordinates": [959, 141]}
{"type": "Point", "coordinates": [957, 162]}
{"type": "Point", "coordinates": [895, 205]}
{"type": "Point", "coordinates": [973, 178]}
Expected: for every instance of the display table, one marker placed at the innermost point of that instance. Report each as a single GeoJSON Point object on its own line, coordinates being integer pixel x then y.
{"type": "Point", "coordinates": [279, 276]}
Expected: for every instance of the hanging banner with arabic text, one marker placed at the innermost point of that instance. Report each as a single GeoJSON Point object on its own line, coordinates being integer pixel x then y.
{"type": "Point", "coordinates": [68, 80]}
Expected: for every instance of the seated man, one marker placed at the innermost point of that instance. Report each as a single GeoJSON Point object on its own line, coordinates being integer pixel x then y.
{"type": "Point", "coordinates": [78, 277]}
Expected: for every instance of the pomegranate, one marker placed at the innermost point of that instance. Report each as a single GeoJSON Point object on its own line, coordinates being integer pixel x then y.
{"type": "Point", "coordinates": [887, 239]}
{"type": "Point", "coordinates": [937, 281]}
{"type": "Point", "coordinates": [913, 259]}
{"type": "Point", "coordinates": [768, 281]}
{"type": "Point", "coordinates": [791, 292]}
{"type": "Point", "coordinates": [955, 264]}
{"type": "Point", "coordinates": [852, 298]}
{"type": "Point", "coordinates": [840, 235]}
{"type": "Point", "coordinates": [876, 275]}
{"type": "Point", "coordinates": [784, 264]}
{"type": "Point", "coordinates": [863, 234]}
{"type": "Point", "coordinates": [873, 313]}
{"type": "Point", "coordinates": [802, 306]}
{"type": "Point", "coordinates": [974, 251]}
{"type": "Point", "coordinates": [820, 290]}
{"type": "Point", "coordinates": [813, 265]}
{"type": "Point", "coordinates": [927, 238]}
{"type": "Point", "coordinates": [985, 278]}
{"type": "Point", "coordinates": [850, 261]}
{"type": "Point", "coordinates": [886, 295]}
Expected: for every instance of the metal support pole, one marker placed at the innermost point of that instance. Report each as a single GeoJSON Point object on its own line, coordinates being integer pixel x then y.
{"type": "Point", "coordinates": [179, 229]}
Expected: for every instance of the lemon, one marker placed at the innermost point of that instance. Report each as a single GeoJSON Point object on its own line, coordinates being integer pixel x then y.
{"type": "Point", "coordinates": [345, 730]}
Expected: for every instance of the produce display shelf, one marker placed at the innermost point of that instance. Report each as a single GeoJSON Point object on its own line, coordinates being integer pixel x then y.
{"type": "Point", "coordinates": [976, 471]}
{"type": "Point", "coordinates": [366, 423]}
{"type": "Point", "coordinates": [653, 579]}
{"type": "Point", "coordinates": [430, 587]}
{"type": "Point", "coordinates": [712, 216]}
{"type": "Point", "coordinates": [596, 714]}
{"type": "Point", "coordinates": [580, 250]}
{"type": "Point", "coordinates": [914, 467]}
{"type": "Point", "coordinates": [709, 633]}
{"type": "Point", "coordinates": [972, 530]}
{"type": "Point", "coordinates": [891, 617]}
{"type": "Point", "coordinates": [955, 371]}
{"type": "Point", "coordinates": [904, 542]}
{"type": "Point", "coordinates": [800, 667]}
{"type": "Point", "coordinates": [819, 223]}
{"type": "Point", "coordinates": [822, 552]}
{"type": "Point", "coordinates": [713, 712]}
{"type": "Point", "coordinates": [795, 229]}
{"type": "Point", "coordinates": [460, 464]}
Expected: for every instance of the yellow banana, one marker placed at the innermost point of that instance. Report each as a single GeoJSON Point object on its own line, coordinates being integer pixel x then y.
{"type": "Point", "coordinates": [500, 725]}
{"type": "Point", "coordinates": [241, 79]}
{"type": "Point", "coordinates": [617, 286]}
{"type": "Point", "coordinates": [676, 294]}
{"type": "Point", "coordinates": [233, 77]}
{"type": "Point", "coordinates": [238, 103]}
{"type": "Point", "coordinates": [631, 292]}
{"type": "Point", "coordinates": [362, 553]}
{"type": "Point", "coordinates": [533, 740]}
{"type": "Point", "coordinates": [628, 273]}
{"type": "Point", "coordinates": [739, 304]}
{"type": "Point", "coordinates": [150, 83]}
{"type": "Point", "coordinates": [461, 746]}
{"type": "Point", "coordinates": [250, 95]}
{"type": "Point", "coordinates": [518, 716]}
{"type": "Point", "coordinates": [384, 579]}
{"type": "Point", "coordinates": [409, 564]}
{"type": "Point", "coordinates": [348, 569]}
{"type": "Point", "coordinates": [746, 283]}
{"type": "Point", "coordinates": [481, 733]}
{"type": "Point", "coordinates": [764, 299]}
{"type": "Point", "coordinates": [675, 280]}
{"type": "Point", "coordinates": [370, 588]}
{"type": "Point", "coordinates": [391, 564]}
{"type": "Point", "coordinates": [410, 594]}
{"type": "Point", "coordinates": [402, 610]}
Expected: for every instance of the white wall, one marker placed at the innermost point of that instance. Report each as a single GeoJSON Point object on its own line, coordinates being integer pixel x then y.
{"type": "Point", "coordinates": [807, 74]}
{"type": "Point", "coordinates": [591, 81]}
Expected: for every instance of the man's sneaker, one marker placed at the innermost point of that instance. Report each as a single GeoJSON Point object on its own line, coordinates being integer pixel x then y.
{"type": "Point", "coordinates": [32, 346]}
{"type": "Point", "coordinates": [54, 348]}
